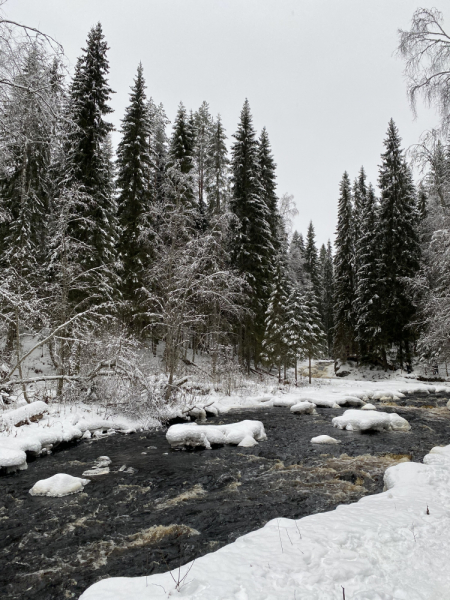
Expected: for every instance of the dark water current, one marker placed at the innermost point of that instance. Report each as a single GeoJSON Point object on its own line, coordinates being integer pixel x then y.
{"type": "Point", "coordinates": [179, 505]}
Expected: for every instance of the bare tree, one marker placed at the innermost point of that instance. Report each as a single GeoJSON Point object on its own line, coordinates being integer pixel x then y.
{"type": "Point", "coordinates": [426, 50]}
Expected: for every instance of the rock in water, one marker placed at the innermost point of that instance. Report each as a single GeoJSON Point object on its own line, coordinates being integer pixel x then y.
{"type": "Point", "coordinates": [59, 485]}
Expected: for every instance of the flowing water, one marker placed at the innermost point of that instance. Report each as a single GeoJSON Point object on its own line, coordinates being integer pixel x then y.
{"type": "Point", "coordinates": [174, 506]}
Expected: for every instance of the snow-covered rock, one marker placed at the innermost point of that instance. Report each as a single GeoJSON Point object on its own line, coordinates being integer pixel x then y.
{"type": "Point", "coordinates": [192, 434]}
{"type": "Point", "coordinates": [305, 407]}
{"type": "Point", "coordinates": [350, 401]}
{"type": "Point", "coordinates": [358, 420]}
{"type": "Point", "coordinates": [324, 439]}
{"type": "Point", "coordinates": [322, 402]}
{"type": "Point", "coordinates": [369, 407]}
{"type": "Point", "coordinates": [382, 395]}
{"type": "Point", "coordinates": [197, 413]}
{"type": "Point", "coordinates": [60, 484]}
{"type": "Point", "coordinates": [248, 442]}
{"type": "Point", "coordinates": [288, 402]}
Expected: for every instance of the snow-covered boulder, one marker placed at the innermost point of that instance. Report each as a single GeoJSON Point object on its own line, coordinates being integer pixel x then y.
{"type": "Point", "coordinates": [248, 442]}
{"type": "Point", "coordinates": [358, 420]}
{"type": "Point", "coordinates": [322, 402]}
{"type": "Point", "coordinates": [324, 439]}
{"type": "Point", "coordinates": [192, 434]}
{"type": "Point", "coordinates": [24, 414]}
{"type": "Point", "coordinates": [12, 459]}
{"type": "Point", "coordinates": [198, 413]}
{"type": "Point", "coordinates": [287, 402]}
{"type": "Point", "coordinates": [382, 395]}
{"type": "Point", "coordinates": [369, 407]}
{"type": "Point", "coordinates": [350, 401]}
{"type": "Point", "coordinates": [59, 485]}
{"type": "Point", "coordinates": [302, 408]}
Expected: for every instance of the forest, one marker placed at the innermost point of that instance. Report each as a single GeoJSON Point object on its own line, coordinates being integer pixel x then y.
{"type": "Point", "coordinates": [177, 241]}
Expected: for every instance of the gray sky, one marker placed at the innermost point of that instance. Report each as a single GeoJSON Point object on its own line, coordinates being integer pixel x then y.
{"type": "Point", "coordinates": [321, 75]}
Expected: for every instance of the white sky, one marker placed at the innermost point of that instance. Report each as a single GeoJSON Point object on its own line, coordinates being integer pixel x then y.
{"type": "Point", "coordinates": [321, 75]}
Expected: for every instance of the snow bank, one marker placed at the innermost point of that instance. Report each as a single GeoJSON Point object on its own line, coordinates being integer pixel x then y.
{"type": "Point", "coordinates": [389, 546]}
{"type": "Point", "coordinates": [59, 485]}
{"type": "Point", "coordinates": [324, 439]}
{"type": "Point", "coordinates": [358, 420]}
{"type": "Point", "coordinates": [192, 434]}
{"type": "Point", "coordinates": [305, 407]}
{"type": "Point", "coordinates": [350, 401]}
{"type": "Point", "coordinates": [24, 414]}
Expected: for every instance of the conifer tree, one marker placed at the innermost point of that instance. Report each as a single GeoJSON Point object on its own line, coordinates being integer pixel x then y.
{"type": "Point", "coordinates": [134, 164]}
{"type": "Point", "coordinates": [344, 316]}
{"type": "Point", "coordinates": [296, 324]}
{"type": "Point", "coordinates": [327, 304]}
{"type": "Point", "coordinates": [398, 241]}
{"type": "Point", "coordinates": [267, 177]}
{"type": "Point", "coordinates": [367, 300]}
{"type": "Point", "coordinates": [217, 169]}
{"type": "Point", "coordinates": [312, 259]}
{"type": "Point", "coordinates": [89, 165]}
{"type": "Point", "coordinates": [359, 198]}
{"type": "Point", "coordinates": [180, 173]}
{"type": "Point", "coordinates": [276, 349]}
{"type": "Point", "coordinates": [297, 260]}
{"type": "Point", "coordinates": [159, 144]}
{"type": "Point", "coordinates": [203, 126]}
{"type": "Point", "coordinates": [313, 335]}
{"type": "Point", "coordinates": [252, 245]}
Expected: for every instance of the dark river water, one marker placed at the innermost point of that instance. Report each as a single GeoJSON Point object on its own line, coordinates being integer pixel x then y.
{"type": "Point", "coordinates": [179, 505]}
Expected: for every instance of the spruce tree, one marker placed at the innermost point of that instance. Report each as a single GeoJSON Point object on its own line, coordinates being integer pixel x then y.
{"type": "Point", "coordinates": [313, 336]}
{"type": "Point", "coordinates": [217, 169]}
{"type": "Point", "coordinates": [276, 348]}
{"type": "Point", "coordinates": [312, 259]}
{"type": "Point", "coordinates": [398, 240]}
{"type": "Point", "coordinates": [203, 126]}
{"type": "Point", "coordinates": [367, 301]}
{"type": "Point", "coordinates": [267, 177]}
{"type": "Point", "coordinates": [359, 198]}
{"type": "Point", "coordinates": [159, 144]}
{"type": "Point", "coordinates": [297, 260]}
{"type": "Point", "coordinates": [180, 184]}
{"type": "Point", "coordinates": [252, 239]}
{"type": "Point", "coordinates": [296, 316]}
{"type": "Point", "coordinates": [344, 310]}
{"type": "Point", "coordinates": [89, 165]}
{"type": "Point", "coordinates": [134, 164]}
{"type": "Point", "coordinates": [327, 299]}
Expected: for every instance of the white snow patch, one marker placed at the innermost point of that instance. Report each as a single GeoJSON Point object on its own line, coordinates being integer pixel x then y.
{"type": "Point", "coordinates": [358, 420]}
{"type": "Point", "coordinates": [60, 484]}
{"type": "Point", "coordinates": [324, 439]}
{"type": "Point", "coordinates": [305, 407]}
{"type": "Point", "coordinates": [192, 434]}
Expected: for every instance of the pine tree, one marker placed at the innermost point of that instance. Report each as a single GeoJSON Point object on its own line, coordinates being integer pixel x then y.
{"type": "Point", "coordinates": [89, 165]}
{"type": "Point", "coordinates": [217, 169]}
{"type": "Point", "coordinates": [398, 241]}
{"type": "Point", "coordinates": [252, 246]}
{"type": "Point", "coordinates": [327, 299]}
{"type": "Point", "coordinates": [367, 300]}
{"type": "Point", "coordinates": [344, 310]}
{"type": "Point", "coordinates": [134, 164]}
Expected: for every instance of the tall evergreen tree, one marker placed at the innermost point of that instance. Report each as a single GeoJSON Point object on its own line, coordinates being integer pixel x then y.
{"type": "Point", "coordinates": [314, 336]}
{"type": "Point", "coordinates": [267, 177]}
{"type": "Point", "coordinates": [359, 198]}
{"type": "Point", "coordinates": [217, 169]}
{"type": "Point", "coordinates": [297, 260]}
{"type": "Point", "coordinates": [398, 241]}
{"type": "Point", "coordinates": [367, 300]}
{"type": "Point", "coordinates": [203, 126]}
{"type": "Point", "coordinates": [252, 240]}
{"type": "Point", "coordinates": [312, 259]}
{"type": "Point", "coordinates": [89, 162]}
{"type": "Point", "coordinates": [159, 144]}
{"type": "Point", "coordinates": [344, 316]}
{"type": "Point", "coordinates": [134, 164]}
{"type": "Point", "coordinates": [180, 173]}
{"type": "Point", "coordinates": [327, 284]}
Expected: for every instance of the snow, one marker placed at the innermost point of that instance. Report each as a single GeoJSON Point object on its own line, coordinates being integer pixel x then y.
{"type": "Point", "coordinates": [389, 546]}
{"type": "Point", "coordinates": [324, 439]}
{"type": "Point", "coordinates": [369, 407]}
{"type": "Point", "coordinates": [24, 414]}
{"type": "Point", "coordinates": [304, 408]}
{"type": "Point", "coordinates": [192, 434]}
{"type": "Point", "coordinates": [59, 485]}
{"type": "Point", "coordinates": [357, 420]}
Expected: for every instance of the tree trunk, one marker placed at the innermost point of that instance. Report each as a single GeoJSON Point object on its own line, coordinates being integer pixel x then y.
{"type": "Point", "coordinates": [309, 368]}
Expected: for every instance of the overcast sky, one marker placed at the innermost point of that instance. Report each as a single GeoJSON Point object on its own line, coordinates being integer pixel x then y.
{"type": "Point", "coordinates": [321, 75]}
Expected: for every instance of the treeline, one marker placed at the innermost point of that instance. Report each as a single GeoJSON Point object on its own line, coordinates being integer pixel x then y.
{"type": "Point", "coordinates": [171, 240]}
